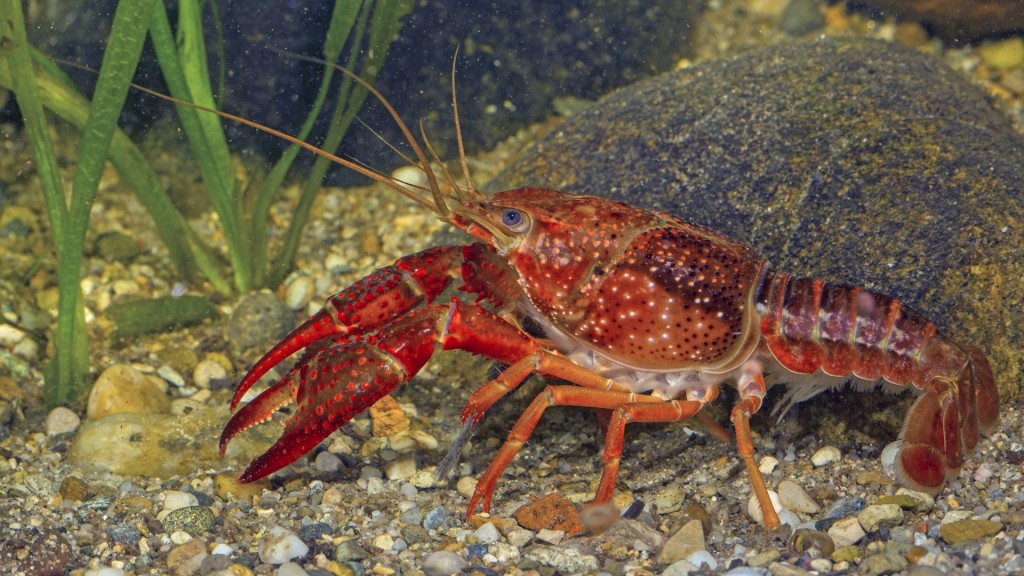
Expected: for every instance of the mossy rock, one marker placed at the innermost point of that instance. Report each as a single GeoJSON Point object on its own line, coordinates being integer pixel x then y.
{"type": "Point", "coordinates": [851, 160]}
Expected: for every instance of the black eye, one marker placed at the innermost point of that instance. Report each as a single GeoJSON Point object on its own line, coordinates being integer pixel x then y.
{"type": "Point", "coordinates": [512, 218]}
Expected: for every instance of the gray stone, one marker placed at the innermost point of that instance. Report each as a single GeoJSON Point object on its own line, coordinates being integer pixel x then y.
{"type": "Point", "coordinates": [443, 563]}
{"type": "Point", "coordinates": [686, 541]}
{"type": "Point", "coordinates": [878, 515]}
{"type": "Point", "coordinates": [882, 564]}
{"type": "Point", "coordinates": [801, 17]}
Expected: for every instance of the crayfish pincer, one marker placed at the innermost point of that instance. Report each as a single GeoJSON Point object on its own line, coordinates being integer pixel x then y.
{"type": "Point", "coordinates": [643, 314]}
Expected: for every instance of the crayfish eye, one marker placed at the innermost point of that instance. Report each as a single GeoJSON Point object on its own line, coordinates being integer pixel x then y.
{"type": "Point", "coordinates": [514, 220]}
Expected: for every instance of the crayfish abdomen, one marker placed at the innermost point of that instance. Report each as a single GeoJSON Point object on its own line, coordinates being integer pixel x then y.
{"type": "Point", "coordinates": [810, 325]}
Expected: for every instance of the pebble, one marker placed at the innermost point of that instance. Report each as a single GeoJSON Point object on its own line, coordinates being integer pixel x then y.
{"type": "Point", "coordinates": [763, 558]}
{"type": "Point", "coordinates": [291, 569]}
{"type": "Point", "coordinates": [882, 564]}
{"type": "Point", "coordinates": [259, 321]}
{"type": "Point", "coordinates": [9, 335]}
{"type": "Point", "coordinates": [826, 455]}
{"type": "Point", "coordinates": [388, 418]}
{"type": "Point", "coordinates": [195, 520]}
{"type": "Point", "coordinates": [1003, 54]}
{"type": "Point", "coordinates": [519, 537]}
{"type": "Point", "coordinates": [437, 517]}
{"type": "Point", "coordinates": [889, 453]}
{"type": "Point", "coordinates": [925, 501]}
{"type": "Point", "coordinates": [171, 376]}
{"type": "Point", "coordinates": [845, 507]}
{"type": "Point", "coordinates": [61, 420]}
{"type": "Point", "coordinates": [669, 500]}
{"type": "Point", "coordinates": [754, 507]}
{"type": "Point", "coordinates": [878, 515]}
{"type": "Point", "coordinates": [327, 463]}
{"type": "Point", "coordinates": [551, 536]}
{"type": "Point", "coordinates": [188, 557]}
{"type": "Point", "coordinates": [299, 292]}
{"type": "Point", "coordinates": [679, 568]}
{"type": "Point", "coordinates": [174, 499]}
{"type": "Point", "coordinates": [768, 464]}
{"type": "Point", "coordinates": [904, 501]}
{"type": "Point", "coordinates": [121, 388]}
{"type": "Point", "coordinates": [685, 541]}
{"type": "Point", "coordinates": [783, 569]}
{"type": "Point", "coordinates": [104, 571]}
{"type": "Point", "coordinates": [966, 530]}
{"type": "Point", "coordinates": [703, 558]}
{"type": "Point", "coordinates": [401, 468]}
{"type": "Point", "coordinates": [384, 542]}
{"type": "Point", "coordinates": [802, 17]}
{"type": "Point", "coordinates": [280, 545]}
{"type": "Point", "coordinates": [208, 374]}
{"type": "Point", "coordinates": [487, 533]}
{"type": "Point", "coordinates": [350, 551]}
{"type": "Point", "coordinates": [73, 488]}
{"type": "Point", "coordinates": [443, 563]}
{"type": "Point", "coordinates": [846, 532]}
{"type": "Point", "coordinates": [794, 497]}
{"type": "Point", "coordinates": [229, 488]}
{"type": "Point", "coordinates": [466, 486]}
{"type": "Point", "coordinates": [565, 559]}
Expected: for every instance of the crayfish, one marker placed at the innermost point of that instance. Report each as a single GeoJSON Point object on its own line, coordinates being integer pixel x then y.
{"type": "Point", "coordinates": [643, 314]}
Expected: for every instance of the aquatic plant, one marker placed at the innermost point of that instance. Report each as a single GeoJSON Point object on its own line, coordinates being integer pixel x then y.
{"type": "Point", "coordinates": [363, 26]}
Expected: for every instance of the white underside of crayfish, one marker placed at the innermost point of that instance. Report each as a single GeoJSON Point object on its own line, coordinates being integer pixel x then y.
{"type": "Point", "coordinates": [669, 385]}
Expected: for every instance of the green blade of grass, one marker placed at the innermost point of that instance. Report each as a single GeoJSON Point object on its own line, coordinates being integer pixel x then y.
{"type": "Point", "coordinates": [342, 21]}
{"type": "Point", "coordinates": [23, 82]}
{"type": "Point", "coordinates": [186, 250]}
{"type": "Point", "coordinates": [385, 23]}
{"type": "Point", "coordinates": [119, 60]}
{"type": "Point", "coordinates": [206, 137]}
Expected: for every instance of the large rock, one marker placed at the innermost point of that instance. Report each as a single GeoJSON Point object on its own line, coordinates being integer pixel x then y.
{"type": "Point", "coordinates": [850, 160]}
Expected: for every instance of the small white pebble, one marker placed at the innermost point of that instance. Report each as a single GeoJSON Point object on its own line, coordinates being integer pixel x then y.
{"type": "Point", "coordinates": [327, 463]}
{"type": "Point", "coordinates": [519, 537]}
{"type": "Point", "coordinates": [768, 464]}
{"type": "Point", "coordinates": [9, 335]}
{"type": "Point", "coordinates": [180, 537]}
{"type": "Point", "coordinates": [104, 571]}
{"type": "Point", "coordinates": [27, 349]}
{"type": "Point", "coordinates": [443, 563]}
{"type": "Point", "coordinates": [281, 545]}
{"type": "Point", "coordinates": [754, 507]}
{"type": "Point", "coordinates": [826, 455]}
{"type": "Point", "coordinates": [551, 536]}
{"type": "Point", "coordinates": [889, 454]}
{"type": "Point", "coordinates": [466, 486]}
{"type": "Point", "coordinates": [794, 497]}
{"type": "Point", "coordinates": [174, 499]}
{"type": "Point", "coordinates": [487, 533]}
{"type": "Point", "coordinates": [401, 468]}
{"type": "Point", "coordinates": [374, 486]}
{"type": "Point", "coordinates": [291, 569]}
{"type": "Point", "coordinates": [701, 557]}
{"type": "Point", "coordinates": [222, 549]}
{"type": "Point", "coordinates": [61, 420]}
{"type": "Point", "coordinates": [298, 293]}
{"type": "Point", "coordinates": [384, 542]}
{"type": "Point", "coordinates": [208, 371]}
{"type": "Point", "coordinates": [171, 376]}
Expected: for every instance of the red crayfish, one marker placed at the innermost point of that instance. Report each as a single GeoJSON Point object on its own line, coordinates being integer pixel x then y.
{"type": "Point", "coordinates": [644, 314]}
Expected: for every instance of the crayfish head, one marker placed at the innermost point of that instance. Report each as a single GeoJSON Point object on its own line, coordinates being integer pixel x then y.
{"type": "Point", "coordinates": [557, 242]}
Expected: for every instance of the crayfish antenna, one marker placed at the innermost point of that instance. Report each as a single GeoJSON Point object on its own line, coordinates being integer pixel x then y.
{"type": "Point", "coordinates": [470, 187]}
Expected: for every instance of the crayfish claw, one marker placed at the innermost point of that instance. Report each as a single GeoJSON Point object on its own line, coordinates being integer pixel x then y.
{"type": "Point", "coordinates": [259, 410]}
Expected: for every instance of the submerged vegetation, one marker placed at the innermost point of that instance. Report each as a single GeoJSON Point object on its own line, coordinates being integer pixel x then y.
{"type": "Point", "coordinates": [358, 37]}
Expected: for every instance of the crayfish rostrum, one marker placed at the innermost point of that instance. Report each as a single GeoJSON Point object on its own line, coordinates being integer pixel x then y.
{"type": "Point", "coordinates": [644, 314]}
